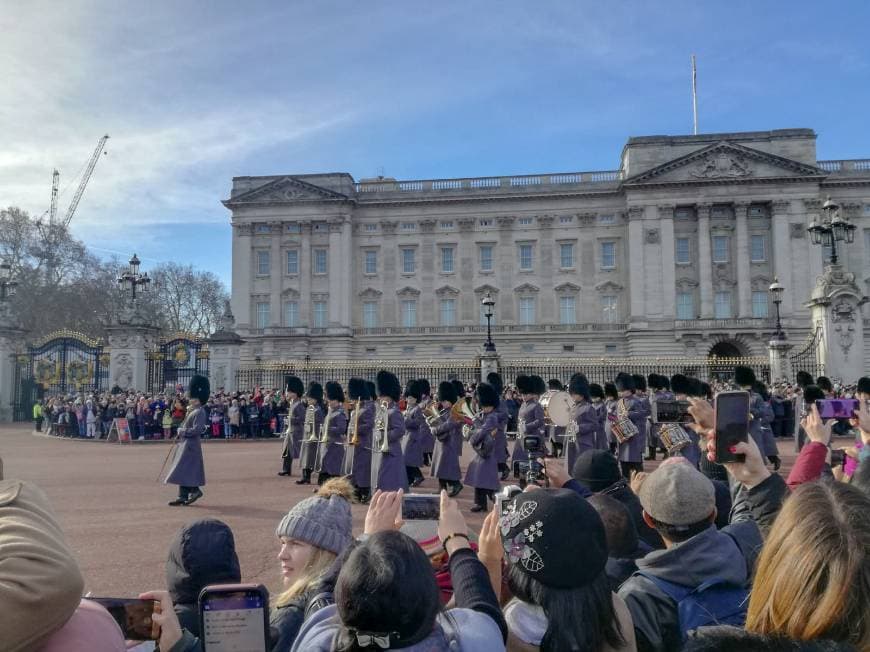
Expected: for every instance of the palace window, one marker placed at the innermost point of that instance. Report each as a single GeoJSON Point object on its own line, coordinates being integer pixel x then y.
{"type": "Point", "coordinates": [370, 314]}
{"type": "Point", "coordinates": [262, 314]}
{"type": "Point", "coordinates": [371, 227]}
{"type": "Point", "coordinates": [606, 219]}
{"type": "Point", "coordinates": [566, 219]}
{"type": "Point", "coordinates": [409, 264]}
{"type": "Point", "coordinates": [525, 251]}
{"type": "Point", "coordinates": [291, 314]}
{"type": "Point", "coordinates": [292, 261]}
{"type": "Point", "coordinates": [609, 308]}
{"type": "Point", "coordinates": [685, 305]}
{"type": "Point", "coordinates": [409, 313]}
{"type": "Point", "coordinates": [757, 253]}
{"type": "Point", "coordinates": [524, 221]}
{"type": "Point", "coordinates": [320, 265]}
{"type": "Point", "coordinates": [485, 258]}
{"type": "Point", "coordinates": [759, 304]}
{"type": "Point", "coordinates": [567, 310]}
{"type": "Point", "coordinates": [371, 262]}
{"type": "Point", "coordinates": [263, 263]}
{"type": "Point", "coordinates": [446, 260]}
{"type": "Point", "coordinates": [448, 312]}
{"type": "Point", "coordinates": [682, 252]}
{"type": "Point", "coordinates": [445, 225]}
{"type": "Point", "coordinates": [320, 314]}
{"type": "Point", "coordinates": [608, 255]}
{"type": "Point", "coordinates": [720, 248]}
{"type": "Point", "coordinates": [527, 311]}
{"type": "Point", "coordinates": [263, 228]}
{"type": "Point", "coordinates": [486, 222]}
{"type": "Point", "coordinates": [409, 226]}
{"type": "Point", "coordinates": [294, 228]}
{"type": "Point", "coordinates": [722, 305]}
{"type": "Point", "coordinates": [566, 255]}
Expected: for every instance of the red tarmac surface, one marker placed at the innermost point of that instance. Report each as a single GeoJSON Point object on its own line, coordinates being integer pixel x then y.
{"type": "Point", "coordinates": [116, 519]}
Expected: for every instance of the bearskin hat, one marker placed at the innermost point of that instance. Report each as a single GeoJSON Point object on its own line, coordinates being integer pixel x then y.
{"type": "Point", "coordinates": [373, 390]}
{"type": "Point", "coordinates": [654, 381]}
{"type": "Point", "coordinates": [681, 384]}
{"type": "Point", "coordinates": [555, 383]}
{"type": "Point", "coordinates": [824, 384]}
{"type": "Point", "coordinates": [804, 379]}
{"type": "Point", "coordinates": [624, 382]}
{"type": "Point", "coordinates": [294, 384]}
{"type": "Point", "coordinates": [596, 390]}
{"type": "Point", "coordinates": [459, 387]}
{"type": "Point", "coordinates": [639, 382]}
{"type": "Point", "coordinates": [863, 385]}
{"type": "Point", "coordinates": [743, 376]}
{"type": "Point", "coordinates": [610, 390]}
{"type": "Point", "coordinates": [334, 392]}
{"type": "Point", "coordinates": [538, 385]}
{"type": "Point", "coordinates": [357, 389]}
{"type": "Point", "coordinates": [486, 395]}
{"type": "Point", "coordinates": [412, 389]}
{"type": "Point", "coordinates": [812, 393]}
{"type": "Point", "coordinates": [199, 389]}
{"type": "Point", "coordinates": [447, 392]}
{"type": "Point", "coordinates": [495, 380]}
{"type": "Point", "coordinates": [696, 388]}
{"type": "Point", "coordinates": [666, 382]}
{"type": "Point", "coordinates": [579, 385]}
{"type": "Point", "coordinates": [425, 387]}
{"type": "Point", "coordinates": [759, 388]}
{"type": "Point", "coordinates": [315, 391]}
{"type": "Point", "coordinates": [525, 384]}
{"type": "Point", "coordinates": [388, 385]}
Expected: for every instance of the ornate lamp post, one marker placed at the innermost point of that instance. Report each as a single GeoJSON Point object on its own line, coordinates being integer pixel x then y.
{"type": "Point", "coordinates": [488, 304]}
{"type": "Point", "coordinates": [131, 278]}
{"type": "Point", "coordinates": [776, 291]}
{"type": "Point", "coordinates": [7, 285]}
{"type": "Point", "coordinates": [832, 229]}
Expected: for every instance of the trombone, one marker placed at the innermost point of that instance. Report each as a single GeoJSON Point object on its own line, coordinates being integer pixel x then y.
{"type": "Point", "coordinates": [381, 426]}
{"type": "Point", "coordinates": [353, 424]}
{"type": "Point", "coordinates": [309, 431]}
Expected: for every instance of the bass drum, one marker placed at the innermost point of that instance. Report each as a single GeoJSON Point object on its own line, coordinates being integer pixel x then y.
{"type": "Point", "coordinates": [557, 407]}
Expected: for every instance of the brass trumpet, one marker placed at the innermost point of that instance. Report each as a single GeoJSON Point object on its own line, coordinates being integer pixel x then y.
{"type": "Point", "coordinates": [433, 415]}
{"type": "Point", "coordinates": [353, 424]}
{"type": "Point", "coordinates": [382, 424]}
{"type": "Point", "coordinates": [308, 429]}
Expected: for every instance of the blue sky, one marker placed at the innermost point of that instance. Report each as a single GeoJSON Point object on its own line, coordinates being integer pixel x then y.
{"type": "Point", "coordinates": [194, 93]}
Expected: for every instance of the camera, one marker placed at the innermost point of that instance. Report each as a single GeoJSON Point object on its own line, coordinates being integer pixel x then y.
{"type": "Point", "coordinates": [504, 497]}
{"type": "Point", "coordinates": [532, 472]}
{"type": "Point", "coordinates": [671, 411]}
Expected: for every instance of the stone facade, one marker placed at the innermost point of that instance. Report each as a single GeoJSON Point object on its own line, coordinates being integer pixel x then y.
{"type": "Point", "coordinates": [669, 255]}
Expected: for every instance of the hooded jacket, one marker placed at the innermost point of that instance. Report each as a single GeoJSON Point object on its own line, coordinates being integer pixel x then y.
{"type": "Point", "coordinates": [728, 554]}
{"type": "Point", "coordinates": [201, 553]}
{"type": "Point", "coordinates": [734, 639]}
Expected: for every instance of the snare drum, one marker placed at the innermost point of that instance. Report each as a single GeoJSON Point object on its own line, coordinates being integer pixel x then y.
{"type": "Point", "coordinates": [557, 407]}
{"type": "Point", "coordinates": [673, 437]}
{"type": "Point", "coordinates": [622, 428]}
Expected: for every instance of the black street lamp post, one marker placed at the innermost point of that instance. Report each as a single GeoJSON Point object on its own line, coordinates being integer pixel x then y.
{"type": "Point", "coordinates": [776, 291]}
{"type": "Point", "coordinates": [131, 278]}
{"type": "Point", "coordinates": [832, 229]}
{"type": "Point", "coordinates": [7, 285]}
{"type": "Point", "coordinates": [488, 304]}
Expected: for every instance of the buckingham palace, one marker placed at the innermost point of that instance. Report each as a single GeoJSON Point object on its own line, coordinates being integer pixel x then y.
{"type": "Point", "coordinates": [670, 254]}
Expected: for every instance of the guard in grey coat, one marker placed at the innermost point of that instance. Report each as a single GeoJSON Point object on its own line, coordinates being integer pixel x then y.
{"type": "Point", "coordinates": [358, 452]}
{"type": "Point", "coordinates": [583, 427]}
{"type": "Point", "coordinates": [482, 473]}
{"type": "Point", "coordinates": [415, 423]}
{"type": "Point", "coordinates": [530, 420]}
{"type": "Point", "coordinates": [448, 435]}
{"type": "Point", "coordinates": [596, 391]}
{"type": "Point", "coordinates": [295, 422]}
{"type": "Point", "coordinates": [187, 469]}
{"type": "Point", "coordinates": [330, 450]}
{"type": "Point", "coordinates": [501, 449]}
{"type": "Point", "coordinates": [388, 463]}
{"type": "Point", "coordinates": [314, 414]}
{"type": "Point", "coordinates": [428, 438]}
{"type": "Point", "coordinates": [631, 451]}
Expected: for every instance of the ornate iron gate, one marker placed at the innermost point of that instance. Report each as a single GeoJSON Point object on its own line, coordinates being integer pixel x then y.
{"type": "Point", "coordinates": [64, 363]}
{"type": "Point", "coordinates": [177, 359]}
{"type": "Point", "coordinates": [807, 359]}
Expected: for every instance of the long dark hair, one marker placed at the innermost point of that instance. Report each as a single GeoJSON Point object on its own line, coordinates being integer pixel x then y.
{"type": "Point", "coordinates": [578, 620]}
{"type": "Point", "coordinates": [387, 588]}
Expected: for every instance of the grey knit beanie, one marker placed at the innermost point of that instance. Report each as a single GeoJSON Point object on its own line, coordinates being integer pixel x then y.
{"type": "Point", "coordinates": [324, 520]}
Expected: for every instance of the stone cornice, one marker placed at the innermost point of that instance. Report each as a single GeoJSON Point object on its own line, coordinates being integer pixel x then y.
{"type": "Point", "coordinates": [780, 206]}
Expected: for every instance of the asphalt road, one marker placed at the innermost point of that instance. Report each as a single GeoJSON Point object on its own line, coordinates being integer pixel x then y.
{"type": "Point", "coordinates": [114, 511]}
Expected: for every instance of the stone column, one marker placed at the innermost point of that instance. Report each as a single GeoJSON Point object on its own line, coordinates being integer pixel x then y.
{"type": "Point", "coordinates": [489, 363]}
{"type": "Point", "coordinates": [781, 247]}
{"type": "Point", "coordinates": [224, 346]}
{"type": "Point", "coordinates": [128, 345]}
{"type": "Point", "coordinates": [742, 262]}
{"type": "Point", "coordinates": [634, 259]}
{"type": "Point", "coordinates": [780, 365]}
{"type": "Point", "coordinates": [242, 270]}
{"type": "Point", "coordinates": [12, 343]}
{"type": "Point", "coordinates": [336, 272]}
{"type": "Point", "coordinates": [669, 272]}
{"type": "Point", "coordinates": [276, 274]}
{"type": "Point", "coordinates": [705, 271]}
{"type": "Point", "coordinates": [348, 304]}
{"type": "Point", "coordinates": [835, 306]}
{"type": "Point", "coordinates": [306, 316]}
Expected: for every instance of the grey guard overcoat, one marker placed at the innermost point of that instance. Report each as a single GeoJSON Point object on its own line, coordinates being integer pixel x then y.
{"type": "Point", "coordinates": [482, 471]}
{"type": "Point", "coordinates": [358, 459]}
{"type": "Point", "coordinates": [309, 449]}
{"type": "Point", "coordinates": [187, 468]}
{"type": "Point", "coordinates": [448, 441]}
{"type": "Point", "coordinates": [331, 452]}
{"type": "Point", "coordinates": [388, 469]}
{"type": "Point", "coordinates": [294, 432]}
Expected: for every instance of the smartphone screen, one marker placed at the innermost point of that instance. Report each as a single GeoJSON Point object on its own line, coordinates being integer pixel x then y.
{"type": "Point", "coordinates": [837, 408]}
{"type": "Point", "coordinates": [671, 411]}
{"type": "Point", "coordinates": [234, 620]}
{"type": "Point", "coordinates": [731, 410]}
{"type": "Point", "coordinates": [421, 507]}
{"type": "Point", "coordinates": [838, 457]}
{"type": "Point", "coordinates": [132, 615]}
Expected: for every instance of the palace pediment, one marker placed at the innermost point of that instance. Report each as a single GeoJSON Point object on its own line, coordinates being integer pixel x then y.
{"type": "Point", "coordinates": [726, 162]}
{"type": "Point", "coordinates": [285, 190]}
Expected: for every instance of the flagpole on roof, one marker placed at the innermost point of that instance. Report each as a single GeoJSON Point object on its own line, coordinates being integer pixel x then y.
{"type": "Point", "coordinates": [695, 94]}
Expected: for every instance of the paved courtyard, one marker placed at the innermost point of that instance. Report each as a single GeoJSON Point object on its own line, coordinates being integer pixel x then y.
{"type": "Point", "coordinates": [114, 511]}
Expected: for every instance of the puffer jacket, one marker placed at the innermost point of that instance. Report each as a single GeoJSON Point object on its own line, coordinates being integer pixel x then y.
{"type": "Point", "coordinates": [728, 554]}
{"type": "Point", "coordinates": [734, 639]}
{"type": "Point", "coordinates": [201, 553]}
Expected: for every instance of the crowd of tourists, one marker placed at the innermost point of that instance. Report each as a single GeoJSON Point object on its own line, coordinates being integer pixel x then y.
{"type": "Point", "coordinates": [674, 560]}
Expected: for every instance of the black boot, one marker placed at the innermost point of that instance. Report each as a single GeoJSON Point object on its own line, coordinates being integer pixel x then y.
{"type": "Point", "coordinates": [650, 453]}
{"type": "Point", "coordinates": [479, 500]}
{"type": "Point", "coordinates": [774, 459]}
{"type": "Point", "coordinates": [195, 495]}
{"type": "Point", "coordinates": [306, 477]}
{"type": "Point", "coordinates": [457, 487]}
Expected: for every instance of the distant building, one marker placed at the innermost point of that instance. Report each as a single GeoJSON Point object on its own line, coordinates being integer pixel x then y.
{"type": "Point", "coordinates": [671, 254]}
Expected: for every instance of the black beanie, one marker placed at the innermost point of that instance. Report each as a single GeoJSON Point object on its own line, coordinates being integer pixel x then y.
{"type": "Point", "coordinates": [543, 532]}
{"type": "Point", "coordinates": [596, 469]}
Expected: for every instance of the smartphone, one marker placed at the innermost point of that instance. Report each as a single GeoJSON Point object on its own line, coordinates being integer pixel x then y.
{"type": "Point", "coordinates": [671, 411]}
{"type": "Point", "coordinates": [421, 507]}
{"type": "Point", "coordinates": [838, 457]}
{"type": "Point", "coordinates": [837, 408]}
{"type": "Point", "coordinates": [234, 618]}
{"type": "Point", "coordinates": [132, 615]}
{"type": "Point", "coordinates": [731, 416]}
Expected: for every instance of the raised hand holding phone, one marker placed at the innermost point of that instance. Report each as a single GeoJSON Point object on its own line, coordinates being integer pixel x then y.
{"type": "Point", "coordinates": [752, 471]}
{"type": "Point", "coordinates": [817, 430]}
{"type": "Point", "coordinates": [384, 512]}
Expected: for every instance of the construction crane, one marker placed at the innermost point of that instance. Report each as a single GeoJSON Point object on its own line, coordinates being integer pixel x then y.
{"type": "Point", "coordinates": [74, 204]}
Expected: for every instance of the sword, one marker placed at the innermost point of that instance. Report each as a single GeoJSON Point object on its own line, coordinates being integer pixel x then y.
{"type": "Point", "coordinates": [171, 450]}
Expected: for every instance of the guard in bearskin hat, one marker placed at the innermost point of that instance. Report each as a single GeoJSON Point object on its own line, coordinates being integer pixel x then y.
{"type": "Point", "coordinates": [293, 434]}
{"type": "Point", "coordinates": [412, 443]}
{"type": "Point", "coordinates": [330, 449]}
{"type": "Point", "coordinates": [501, 449]}
{"type": "Point", "coordinates": [631, 451]}
{"type": "Point", "coordinates": [596, 392]}
{"type": "Point", "coordinates": [388, 462]}
{"type": "Point", "coordinates": [427, 437]}
{"type": "Point", "coordinates": [581, 431]}
{"type": "Point", "coordinates": [314, 414]}
{"type": "Point", "coordinates": [358, 452]}
{"type": "Point", "coordinates": [530, 420]}
{"type": "Point", "coordinates": [448, 441]}
{"type": "Point", "coordinates": [482, 473]}
{"type": "Point", "coordinates": [187, 469]}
